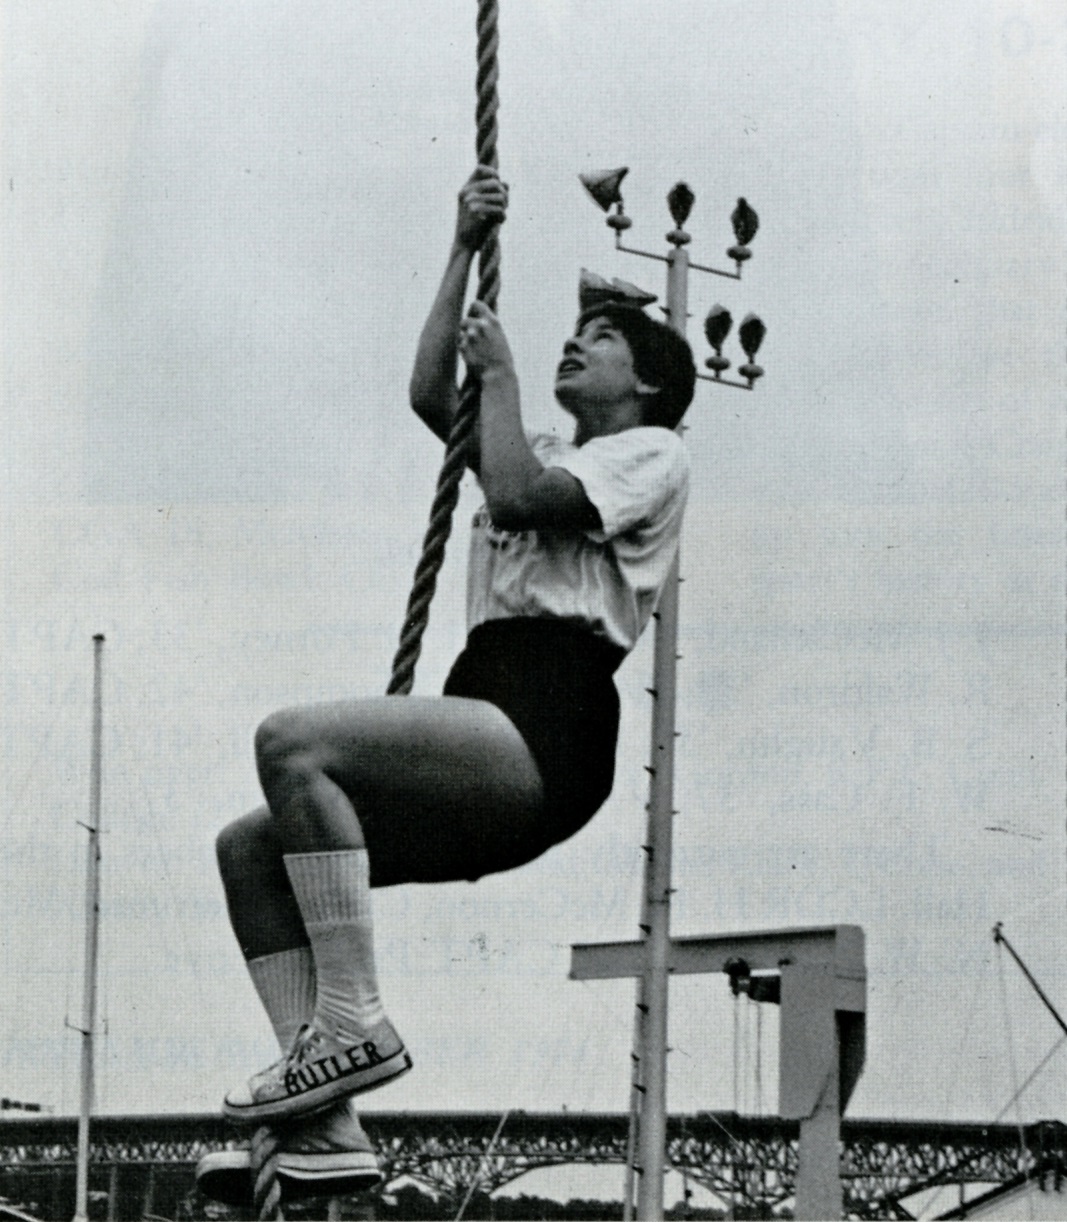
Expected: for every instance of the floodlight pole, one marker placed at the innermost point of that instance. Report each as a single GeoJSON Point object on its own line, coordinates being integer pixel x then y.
{"type": "Point", "coordinates": [653, 989]}
{"type": "Point", "coordinates": [647, 1144]}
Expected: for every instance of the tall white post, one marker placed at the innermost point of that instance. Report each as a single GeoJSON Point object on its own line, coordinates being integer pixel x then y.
{"type": "Point", "coordinates": [647, 1145]}
{"type": "Point", "coordinates": [652, 1132]}
{"type": "Point", "coordinates": [92, 925]}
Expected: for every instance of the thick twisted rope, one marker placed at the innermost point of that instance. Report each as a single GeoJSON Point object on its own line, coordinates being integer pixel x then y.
{"type": "Point", "coordinates": [263, 1162]}
{"type": "Point", "coordinates": [266, 1142]}
{"type": "Point", "coordinates": [446, 496]}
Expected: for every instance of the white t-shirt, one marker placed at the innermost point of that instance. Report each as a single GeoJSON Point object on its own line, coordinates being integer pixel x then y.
{"type": "Point", "coordinates": [608, 579]}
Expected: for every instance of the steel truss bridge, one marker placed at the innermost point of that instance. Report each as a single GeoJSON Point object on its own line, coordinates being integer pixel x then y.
{"type": "Point", "coordinates": [143, 1165]}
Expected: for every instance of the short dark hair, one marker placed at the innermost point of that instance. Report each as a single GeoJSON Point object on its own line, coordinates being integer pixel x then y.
{"type": "Point", "coordinates": [662, 358]}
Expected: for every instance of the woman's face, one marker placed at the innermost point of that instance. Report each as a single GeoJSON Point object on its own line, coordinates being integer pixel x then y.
{"type": "Point", "coordinates": [597, 367]}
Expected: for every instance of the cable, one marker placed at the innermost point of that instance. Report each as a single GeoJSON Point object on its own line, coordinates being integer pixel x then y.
{"type": "Point", "coordinates": [1030, 1078]}
{"type": "Point", "coordinates": [1011, 1052]}
{"type": "Point", "coordinates": [488, 1153]}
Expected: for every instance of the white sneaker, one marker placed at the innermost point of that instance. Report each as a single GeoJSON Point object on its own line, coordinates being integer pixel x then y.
{"type": "Point", "coordinates": [324, 1155]}
{"type": "Point", "coordinates": [318, 1070]}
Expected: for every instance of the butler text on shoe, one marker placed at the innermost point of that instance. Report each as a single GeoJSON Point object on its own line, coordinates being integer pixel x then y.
{"type": "Point", "coordinates": [330, 1068]}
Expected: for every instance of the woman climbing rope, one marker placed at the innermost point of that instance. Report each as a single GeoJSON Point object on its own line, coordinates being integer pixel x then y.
{"type": "Point", "coordinates": [568, 556]}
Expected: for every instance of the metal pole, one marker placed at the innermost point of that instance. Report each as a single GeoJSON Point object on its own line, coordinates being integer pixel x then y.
{"type": "Point", "coordinates": [92, 922]}
{"type": "Point", "coordinates": [998, 937]}
{"type": "Point", "coordinates": [637, 1085]}
{"type": "Point", "coordinates": [652, 1138]}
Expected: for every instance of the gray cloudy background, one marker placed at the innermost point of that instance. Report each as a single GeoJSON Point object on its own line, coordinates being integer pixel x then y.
{"type": "Point", "coordinates": [223, 225]}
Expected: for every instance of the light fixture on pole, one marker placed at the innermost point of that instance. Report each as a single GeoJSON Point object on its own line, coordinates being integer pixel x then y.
{"type": "Point", "coordinates": [750, 333]}
{"type": "Point", "coordinates": [745, 223]}
{"type": "Point", "coordinates": [605, 187]}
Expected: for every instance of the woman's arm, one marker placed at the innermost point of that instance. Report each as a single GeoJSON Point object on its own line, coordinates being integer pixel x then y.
{"type": "Point", "coordinates": [520, 492]}
{"type": "Point", "coordinates": [433, 394]}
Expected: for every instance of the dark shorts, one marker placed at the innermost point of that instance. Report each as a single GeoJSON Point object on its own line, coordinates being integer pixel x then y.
{"type": "Point", "coordinates": [553, 680]}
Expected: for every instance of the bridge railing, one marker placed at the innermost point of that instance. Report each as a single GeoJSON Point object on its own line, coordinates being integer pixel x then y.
{"type": "Point", "coordinates": [748, 1160]}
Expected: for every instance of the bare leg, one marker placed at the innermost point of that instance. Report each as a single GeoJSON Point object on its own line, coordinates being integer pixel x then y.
{"type": "Point", "coordinates": [435, 788]}
{"type": "Point", "coordinates": [259, 897]}
{"type": "Point", "coordinates": [359, 793]}
{"type": "Point", "coordinates": [438, 778]}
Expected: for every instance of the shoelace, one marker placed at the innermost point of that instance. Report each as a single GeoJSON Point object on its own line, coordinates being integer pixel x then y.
{"type": "Point", "coordinates": [306, 1040]}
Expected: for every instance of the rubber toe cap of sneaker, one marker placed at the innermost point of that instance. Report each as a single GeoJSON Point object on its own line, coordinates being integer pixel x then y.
{"type": "Point", "coordinates": [239, 1097]}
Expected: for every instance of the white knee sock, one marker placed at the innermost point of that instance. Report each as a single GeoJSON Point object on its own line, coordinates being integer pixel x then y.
{"type": "Point", "coordinates": [285, 982]}
{"type": "Point", "coordinates": [333, 894]}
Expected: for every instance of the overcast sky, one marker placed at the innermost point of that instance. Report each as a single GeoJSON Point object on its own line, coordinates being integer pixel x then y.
{"type": "Point", "coordinates": [223, 226]}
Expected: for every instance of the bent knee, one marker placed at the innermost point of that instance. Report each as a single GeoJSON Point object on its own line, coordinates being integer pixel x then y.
{"type": "Point", "coordinates": [280, 739]}
{"type": "Point", "coordinates": [244, 842]}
